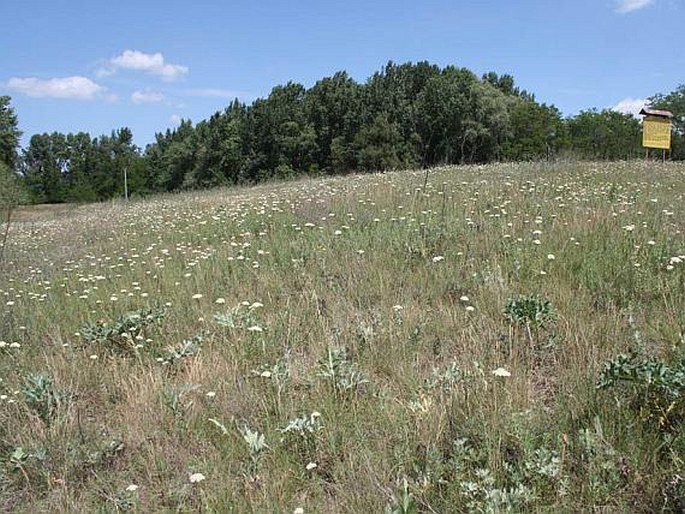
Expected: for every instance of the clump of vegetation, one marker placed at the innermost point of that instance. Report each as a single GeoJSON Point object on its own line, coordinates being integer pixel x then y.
{"type": "Point", "coordinates": [530, 311]}
{"type": "Point", "coordinates": [654, 389]}
{"type": "Point", "coordinates": [125, 333]}
{"type": "Point", "coordinates": [41, 396]}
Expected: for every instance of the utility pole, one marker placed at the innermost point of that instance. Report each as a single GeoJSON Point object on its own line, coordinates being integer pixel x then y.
{"type": "Point", "coordinates": [125, 184]}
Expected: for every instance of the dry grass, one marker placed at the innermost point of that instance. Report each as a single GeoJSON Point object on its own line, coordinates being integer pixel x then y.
{"type": "Point", "coordinates": [371, 301]}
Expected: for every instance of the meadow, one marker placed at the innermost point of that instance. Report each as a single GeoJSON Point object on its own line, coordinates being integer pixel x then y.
{"type": "Point", "coordinates": [501, 338]}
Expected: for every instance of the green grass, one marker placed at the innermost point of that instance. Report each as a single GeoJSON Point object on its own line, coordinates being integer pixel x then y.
{"type": "Point", "coordinates": [330, 345]}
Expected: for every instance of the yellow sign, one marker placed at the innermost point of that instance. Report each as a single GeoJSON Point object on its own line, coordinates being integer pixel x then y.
{"type": "Point", "coordinates": [656, 133]}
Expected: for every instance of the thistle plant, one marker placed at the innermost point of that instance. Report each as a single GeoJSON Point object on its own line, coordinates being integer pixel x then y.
{"type": "Point", "coordinates": [342, 374]}
{"type": "Point", "coordinates": [41, 396]}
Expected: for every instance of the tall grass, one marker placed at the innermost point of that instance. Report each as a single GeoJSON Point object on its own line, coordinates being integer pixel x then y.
{"type": "Point", "coordinates": [329, 345]}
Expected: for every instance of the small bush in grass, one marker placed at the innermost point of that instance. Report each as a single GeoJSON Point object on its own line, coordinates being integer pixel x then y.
{"type": "Point", "coordinates": [120, 335]}
{"type": "Point", "coordinates": [341, 373]}
{"type": "Point", "coordinates": [302, 433]}
{"type": "Point", "coordinates": [41, 396]}
{"type": "Point", "coordinates": [653, 388]}
{"type": "Point", "coordinates": [530, 311]}
{"type": "Point", "coordinates": [186, 349]}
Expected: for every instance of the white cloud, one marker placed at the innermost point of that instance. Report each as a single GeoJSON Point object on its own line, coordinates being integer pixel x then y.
{"type": "Point", "coordinates": [626, 6]}
{"type": "Point", "coordinates": [630, 106]}
{"type": "Point", "coordinates": [175, 119]}
{"type": "Point", "coordinates": [152, 64]}
{"type": "Point", "coordinates": [140, 97]}
{"type": "Point", "coordinates": [78, 88]}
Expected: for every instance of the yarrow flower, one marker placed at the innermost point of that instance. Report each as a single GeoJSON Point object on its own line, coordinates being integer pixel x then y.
{"type": "Point", "coordinates": [438, 258]}
{"type": "Point", "coordinates": [501, 372]}
{"type": "Point", "coordinates": [196, 477]}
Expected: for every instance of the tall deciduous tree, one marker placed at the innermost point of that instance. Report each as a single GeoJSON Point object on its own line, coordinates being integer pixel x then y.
{"type": "Point", "coordinates": [9, 134]}
{"type": "Point", "coordinates": [674, 102]}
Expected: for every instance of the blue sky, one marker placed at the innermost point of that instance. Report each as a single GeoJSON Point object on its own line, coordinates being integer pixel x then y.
{"type": "Point", "coordinates": [145, 64]}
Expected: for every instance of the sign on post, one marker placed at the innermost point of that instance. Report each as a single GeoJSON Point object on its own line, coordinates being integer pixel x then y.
{"type": "Point", "coordinates": [656, 129]}
{"type": "Point", "coordinates": [656, 133]}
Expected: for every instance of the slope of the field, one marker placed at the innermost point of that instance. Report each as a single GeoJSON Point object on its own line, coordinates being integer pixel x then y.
{"type": "Point", "coordinates": [395, 342]}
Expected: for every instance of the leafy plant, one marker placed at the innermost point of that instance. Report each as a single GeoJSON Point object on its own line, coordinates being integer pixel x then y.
{"type": "Point", "coordinates": [120, 335]}
{"type": "Point", "coordinates": [302, 432]}
{"type": "Point", "coordinates": [187, 348]}
{"type": "Point", "coordinates": [402, 502]}
{"type": "Point", "coordinates": [174, 398]}
{"type": "Point", "coordinates": [41, 396]}
{"type": "Point", "coordinates": [530, 311]}
{"type": "Point", "coordinates": [341, 373]}
{"type": "Point", "coordinates": [655, 389]}
{"type": "Point", "coordinates": [239, 317]}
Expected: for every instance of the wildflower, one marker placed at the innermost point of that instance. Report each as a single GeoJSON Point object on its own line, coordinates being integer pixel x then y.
{"type": "Point", "coordinates": [15, 345]}
{"type": "Point", "coordinates": [464, 298]}
{"type": "Point", "coordinates": [629, 228]}
{"type": "Point", "coordinates": [550, 257]}
{"type": "Point", "coordinates": [256, 305]}
{"type": "Point", "coordinates": [196, 477]}
{"type": "Point", "coordinates": [438, 258]}
{"type": "Point", "coordinates": [501, 372]}
{"type": "Point", "coordinates": [132, 488]}
{"type": "Point", "coordinates": [298, 510]}
{"type": "Point", "coordinates": [197, 296]}
{"type": "Point", "coordinates": [255, 328]}
{"type": "Point", "coordinates": [470, 308]}
{"type": "Point", "coordinates": [210, 394]}
{"type": "Point", "coordinates": [310, 466]}
{"type": "Point", "coordinates": [220, 301]}
{"type": "Point", "coordinates": [397, 308]}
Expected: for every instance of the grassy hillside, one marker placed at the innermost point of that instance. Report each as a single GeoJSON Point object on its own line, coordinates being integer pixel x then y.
{"type": "Point", "coordinates": [500, 338]}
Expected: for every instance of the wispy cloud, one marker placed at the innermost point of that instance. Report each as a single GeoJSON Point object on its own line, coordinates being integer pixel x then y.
{"type": "Point", "coordinates": [76, 87]}
{"type": "Point", "coordinates": [630, 106]}
{"type": "Point", "coordinates": [141, 97]}
{"type": "Point", "coordinates": [153, 64]}
{"type": "Point", "coordinates": [626, 6]}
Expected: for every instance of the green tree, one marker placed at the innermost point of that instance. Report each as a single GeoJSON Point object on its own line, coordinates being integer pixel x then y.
{"type": "Point", "coordinates": [45, 166]}
{"type": "Point", "coordinates": [334, 110]}
{"type": "Point", "coordinates": [674, 102]}
{"type": "Point", "coordinates": [604, 134]}
{"type": "Point", "coordinates": [9, 134]}
{"type": "Point", "coordinates": [537, 131]}
{"type": "Point", "coordinates": [11, 195]}
{"type": "Point", "coordinates": [380, 146]}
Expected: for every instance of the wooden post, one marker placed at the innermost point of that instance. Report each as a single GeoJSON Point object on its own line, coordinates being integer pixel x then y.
{"type": "Point", "coordinates": [125, 184]}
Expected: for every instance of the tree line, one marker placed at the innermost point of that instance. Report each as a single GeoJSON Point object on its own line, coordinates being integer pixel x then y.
{"type": "Point", "coordinates": [405, 115]}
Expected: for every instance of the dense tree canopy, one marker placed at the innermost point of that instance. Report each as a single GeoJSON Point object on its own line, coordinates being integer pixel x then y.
{"type": "Point", "coordinates": [9, 134]}
{"type": "Point", "coordinates": [404, 115]}
{"type": "Point", "coordinates": [674, 102]}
